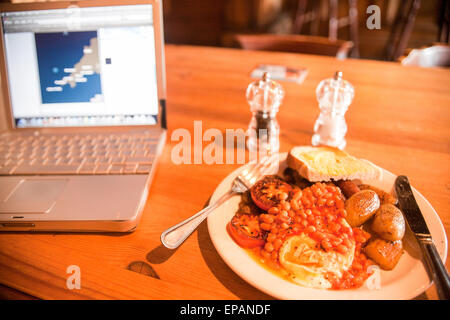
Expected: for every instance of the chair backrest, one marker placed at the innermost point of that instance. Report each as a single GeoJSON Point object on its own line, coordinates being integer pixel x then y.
{"type": "Point", "coordinates": [295, 43]}
{"type": "Point", "coordinates": [437, 55]}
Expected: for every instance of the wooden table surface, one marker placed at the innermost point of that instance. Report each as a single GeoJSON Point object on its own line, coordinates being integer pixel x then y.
{"type": "Point", "coordinates": [399, 119]}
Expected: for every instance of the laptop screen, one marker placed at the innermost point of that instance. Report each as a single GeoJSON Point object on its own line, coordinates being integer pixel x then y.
{"type": "Point", "coordinates": [81, 66]}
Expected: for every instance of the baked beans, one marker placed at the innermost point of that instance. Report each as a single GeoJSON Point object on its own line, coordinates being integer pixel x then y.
{"type": "Point", "coordinates": [319, 212]}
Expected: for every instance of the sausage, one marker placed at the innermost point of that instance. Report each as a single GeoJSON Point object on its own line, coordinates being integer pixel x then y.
{"type": "Point", "coordinates": [348, 187]}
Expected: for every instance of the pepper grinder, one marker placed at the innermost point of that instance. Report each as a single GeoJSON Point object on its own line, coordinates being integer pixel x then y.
{"type": "Point", "coordinates": [334, 96]}
{"type": "Point", "coordinates": [264, 97]}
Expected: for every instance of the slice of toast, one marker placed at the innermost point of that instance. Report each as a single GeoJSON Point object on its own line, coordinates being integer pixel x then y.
{"type": "Point", "coordinates": [328, 163]}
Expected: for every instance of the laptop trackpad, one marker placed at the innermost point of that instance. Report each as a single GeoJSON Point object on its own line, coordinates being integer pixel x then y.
{"type": "Point", "coordinates": [32, 196]}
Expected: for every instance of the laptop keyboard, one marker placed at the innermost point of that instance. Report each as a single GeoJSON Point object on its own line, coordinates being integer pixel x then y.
{"type": "Point", "coordinates": [112, 153]}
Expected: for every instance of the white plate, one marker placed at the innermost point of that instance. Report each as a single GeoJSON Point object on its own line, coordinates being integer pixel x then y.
{"type": "Point", "coordinates": [408, 279]}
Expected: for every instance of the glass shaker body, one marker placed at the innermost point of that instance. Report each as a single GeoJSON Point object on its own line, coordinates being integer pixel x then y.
{"type": "Point", "coordinates": [263, 132]}
{"type": "Point", "coordinates": [264, 97]}
{"type": "Point", "coordinates": [334, 96]}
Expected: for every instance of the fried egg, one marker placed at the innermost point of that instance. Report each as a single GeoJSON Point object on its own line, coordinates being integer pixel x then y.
{"type": "Point", "coordinates": [308, 264]}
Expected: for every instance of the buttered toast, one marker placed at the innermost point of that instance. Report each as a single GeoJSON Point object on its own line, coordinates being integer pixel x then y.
{"type": "Point", "coordinates": [328, 163]}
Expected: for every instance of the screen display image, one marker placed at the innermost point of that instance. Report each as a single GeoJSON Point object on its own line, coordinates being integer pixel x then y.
{"type": "Point", "coordinates": [82, 67]}
{"type": "Point", "coordinates": [69, 67]}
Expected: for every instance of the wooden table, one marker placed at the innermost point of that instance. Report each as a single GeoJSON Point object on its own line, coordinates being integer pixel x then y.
{"type": "Point", "coordinates": [399, 119]}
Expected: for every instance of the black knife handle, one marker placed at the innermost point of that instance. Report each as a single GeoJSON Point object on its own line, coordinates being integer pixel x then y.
{"type": "Point", "coordinates": [436, 269]}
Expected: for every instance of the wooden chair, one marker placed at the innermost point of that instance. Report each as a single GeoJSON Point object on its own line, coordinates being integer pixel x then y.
{"type": "Point", "coordinates": [303, 17]}
{"type": "Point", "coordinates": [402, 28]}
{"type": "Point", "coordinates": [334, 22]}
{"type": "Point", "coordinates": [444, 22]}
{"type": "Point", "coordinates": [437, 55]}
{"type": "Point", "coordinates": [295, 43]}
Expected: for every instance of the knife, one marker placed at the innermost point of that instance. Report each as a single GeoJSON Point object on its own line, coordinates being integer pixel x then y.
{"type": "Point", "coordinates": [435, 267]}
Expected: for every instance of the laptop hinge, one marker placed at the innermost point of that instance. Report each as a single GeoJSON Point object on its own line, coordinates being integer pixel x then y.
{"type": "Point", "coordinates": [162, 103]}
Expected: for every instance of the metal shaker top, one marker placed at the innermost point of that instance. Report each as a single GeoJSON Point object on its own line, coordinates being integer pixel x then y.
{"type": "Point", "coordinates": [265, 95]}
{"type": "Point", "coordinates": [335, 93]}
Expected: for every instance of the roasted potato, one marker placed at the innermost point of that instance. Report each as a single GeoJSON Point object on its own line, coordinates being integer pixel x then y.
{"type": "Point", "coordinates": [385, 253]}
{"type": "Point", "coordinates": [361, 207]}
{"type": "Point", "coordinates": [384, 196]}
{"type": "Point", "coordinates": [388, 223]}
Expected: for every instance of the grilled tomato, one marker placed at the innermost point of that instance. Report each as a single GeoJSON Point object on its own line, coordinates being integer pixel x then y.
{"type": "Point", "coordinates": [269, 191]}
{"type": "Point", "coordinates": [244, 229]}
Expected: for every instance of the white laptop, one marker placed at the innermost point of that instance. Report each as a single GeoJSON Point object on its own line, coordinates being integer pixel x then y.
{"type": "Point", "coordinates": [84, 91]}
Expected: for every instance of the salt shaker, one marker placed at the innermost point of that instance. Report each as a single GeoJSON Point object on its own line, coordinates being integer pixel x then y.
{"type": "Point", "coordinates": [334, 96]}
{"type": "Point", "coordinates": [264, 97]}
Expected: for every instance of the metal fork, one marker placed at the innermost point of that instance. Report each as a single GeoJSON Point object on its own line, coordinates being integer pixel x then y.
{"type": "Point", "coordinates": [174, 236]}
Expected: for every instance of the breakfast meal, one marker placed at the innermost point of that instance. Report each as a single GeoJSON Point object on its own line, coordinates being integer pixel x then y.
{"type": "Point", "coordinates": [316, 224]}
